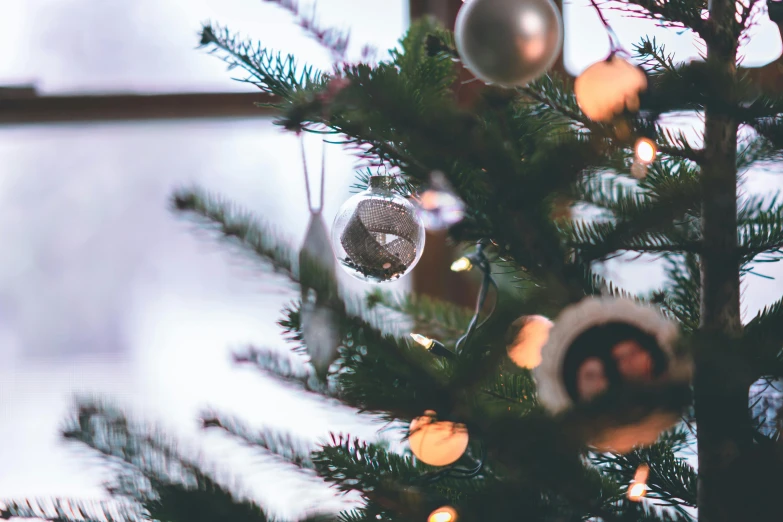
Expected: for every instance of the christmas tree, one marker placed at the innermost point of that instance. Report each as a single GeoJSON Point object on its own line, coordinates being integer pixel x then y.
{"type": "Point", "coordinates": [589, 433]}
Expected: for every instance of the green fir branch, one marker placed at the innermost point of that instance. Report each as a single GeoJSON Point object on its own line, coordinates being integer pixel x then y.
{"type": "Point", "coordinates": [512, 392]}
{"type": "Point", "coordinates": [653, 56]}
{"type": "Point", "coordinates": [281, 445]}
{"type": "Point", "coordinates": [682, 297]}
{"type": "Point", "coordinates": [671, 480]}
{"type": "Point", "coordinates": [334, 40]}
{"type": "Point", "coordinates": [243, 229]}
{"type": "Point", "coordinates": [431, 317]}
{"type": "Point", "coordinates": [270, 72]}
{"type": "Point", "coordinates": [151, 472]}
{"type": "Point", "coordinates": [279, 366]}
{"type": "Point", "coordinates": [66, 510]}
{"type": "Point", "coordinates": [675, 13]}
{"type": "Point", "coordinates": [354, 465]}
{"type": "Point", "coordinates": [762, 233]}
{"type": "Point", "coordinates": [238, 226]}
{"type": "Point", "coordinates": [382, 374]}
{"type": "Point", "coordinates": [763, 337]}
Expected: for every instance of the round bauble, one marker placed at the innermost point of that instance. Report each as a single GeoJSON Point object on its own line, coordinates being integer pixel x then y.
{"type": "Point", "coordinates": [437, 443]}
{"type": "Point", "coordinates": [609, 87]}
{"type": "Point", "coordinates": [508, 42]}
{"type": "Point", "coordinates": [601, 343]}
{"type": "Point", "coordinates": [377, 235]}
{"type": "Point", "coordinates": [525, 339]}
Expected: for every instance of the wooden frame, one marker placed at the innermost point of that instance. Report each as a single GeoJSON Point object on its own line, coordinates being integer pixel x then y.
{"type": "Point", "coordinates": [48, 109]}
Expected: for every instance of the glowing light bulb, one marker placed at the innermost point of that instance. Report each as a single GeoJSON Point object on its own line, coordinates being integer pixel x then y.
{"type": "Point", "coordinates": [443, 514]}
{"type": "Point", "coordinates": [638, 487]}
{"type": "Point", "coordinates": [637, 491]}
{"type": "Point", "coordinates": [645, 150]}
{"type": "Point", "coordinates": [422, 340]}
{"type": "Point", "coordinates": [461, 265]}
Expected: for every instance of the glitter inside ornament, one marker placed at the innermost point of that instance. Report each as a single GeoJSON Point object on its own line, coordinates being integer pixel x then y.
{"type": "Point", "coordinates": [377, 235]}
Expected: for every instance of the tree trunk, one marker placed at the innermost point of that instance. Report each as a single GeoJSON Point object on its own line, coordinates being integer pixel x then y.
{"type": "Point", "coordinates": [721, 398]}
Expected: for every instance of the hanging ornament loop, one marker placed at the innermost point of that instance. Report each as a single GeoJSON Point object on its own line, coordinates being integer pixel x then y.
{"type": "Point", "coordinates": [320, 207]}
{"type": "Point", "coordinates": [614, 41]}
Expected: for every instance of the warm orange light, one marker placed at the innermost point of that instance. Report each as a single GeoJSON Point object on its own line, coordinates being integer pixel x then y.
{"type": "Point", "coordinates": [525, 349]}
{"type": "Point", "coordinates": [638, 487]}
{"type": "Point", "coordinates": [645, 150]}
{"type": "Point", "coordinates": [437, 443]}
{"type": "Point", "coordinates": [443, 514]}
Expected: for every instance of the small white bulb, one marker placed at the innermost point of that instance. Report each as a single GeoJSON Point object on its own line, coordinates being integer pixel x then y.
{"type": "Point", "coordinates": [645, 151]}
{"type": "Point", "coordinates": [462, 264]}
{"type": "Point", "coordinates": [422, 340]}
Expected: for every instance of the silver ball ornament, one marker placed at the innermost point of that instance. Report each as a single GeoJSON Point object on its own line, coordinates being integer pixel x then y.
{"type": "Point", "coordinates": [508, 42]}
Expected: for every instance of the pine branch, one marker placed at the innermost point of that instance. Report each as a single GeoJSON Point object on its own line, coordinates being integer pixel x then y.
{"type": "Point", "coordinates": [63, 510]}
{"type": "Point", "coordinates": [279, 366]}
{"type": "Point", "coordinates": [151, 472]}
{"type": "Point", "coordinates": [514, 391]}
{"type": "Point", "coordinates": [434, 318]}
{"type": "Point", "coordinates": [654, 57]}
{"type": "Point", "coordinates": [270, 72]}
{"type": "Point", "coordinates": [675, 13]}
{"type": "Point", "coordinates": [388, 376]}
{"type": "Point", "coordinates": [236, 225]}
{"type": "Point", "coordinates": [672, 480]}
{"type": "Point", "coordinates": [245, 230]}
{"type": "Point", "coordinates": [600, 240]}
{"type": "Point", "coordinates": [354, 465]}
{"type": "Point", "coordinates": [553, 95]}
{"type": "Point", "coordinates": [757, 150]}
{"type": "Point", "coordinates": [682, 297]}
{"type": "Point", "coordinates": [335, 41]}
{"type": "Point", "coordinates": [603, 286]}
{"type": "Point", "coordinates": [291, 323]}
{"type": "Point", "coordinates": [762, 234]}
{"type": "Point", "coordinates": [763, 337]}
{"type": "Point", "coordinates": [281, 445]}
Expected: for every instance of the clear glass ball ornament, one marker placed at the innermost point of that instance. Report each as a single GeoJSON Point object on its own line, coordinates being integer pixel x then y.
{"type": "Point", "coordinates": [377, 235]}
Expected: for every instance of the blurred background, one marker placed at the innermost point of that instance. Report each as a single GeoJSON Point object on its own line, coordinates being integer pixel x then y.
{"type": "Point", "coordinates": [105, 108]}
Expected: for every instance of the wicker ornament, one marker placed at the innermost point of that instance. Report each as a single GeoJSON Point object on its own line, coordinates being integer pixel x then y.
{"type": "Point", "coordinates": [600, 343]}
{"type": "Point", "coordinates": [609, 87]}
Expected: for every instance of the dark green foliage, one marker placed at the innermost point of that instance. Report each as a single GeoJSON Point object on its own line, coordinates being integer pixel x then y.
{"type": "Point", "coordinates": [60, 510]}
{"type": "Point", "coordinates": [149, 471]}
{"type": "Point", "coordinates": [672, 480]}
{"type": "Point", "coordinates": [512, 156]}
{"type": "Point", "coordinates": [430, 317]}
{"type": "Point", "coordinates": [278, 444]}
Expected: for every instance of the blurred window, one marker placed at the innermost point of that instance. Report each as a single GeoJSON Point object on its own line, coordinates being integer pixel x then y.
{"type": "Point", "coordinates": [147, 46]}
